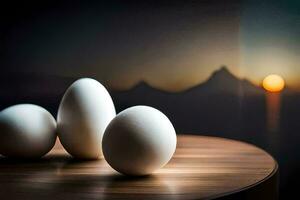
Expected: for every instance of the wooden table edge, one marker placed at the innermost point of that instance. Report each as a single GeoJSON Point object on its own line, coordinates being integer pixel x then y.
{"type": "Point", "coordinates": [243, 192]}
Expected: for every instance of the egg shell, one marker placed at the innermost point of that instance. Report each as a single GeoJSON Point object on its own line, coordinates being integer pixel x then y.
{"type": "Point", "coordinates": [84, 112]}
{"type": "Point", "coordinates": [26, 131]}
{"type": "Point", "coordinates": [139, 140]}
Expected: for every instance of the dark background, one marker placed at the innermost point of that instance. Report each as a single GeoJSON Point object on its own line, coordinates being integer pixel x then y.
{"type": "Point", "coordinates": [190, 59]}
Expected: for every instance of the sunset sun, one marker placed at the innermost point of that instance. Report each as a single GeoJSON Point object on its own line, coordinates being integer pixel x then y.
{"type": "Point", "coordinates": [273, 83]}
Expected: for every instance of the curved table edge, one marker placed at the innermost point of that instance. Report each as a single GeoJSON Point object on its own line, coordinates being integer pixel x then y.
{"type": "Point", "coordinates": [270, 182]}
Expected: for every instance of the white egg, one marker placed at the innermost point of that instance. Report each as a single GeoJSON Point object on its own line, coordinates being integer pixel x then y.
{"type": "Point", "coordinates": [139, 140]}
{"type": "Point", "coordinates": [26, 131]}
{"type": "Point", "coordinates": [84, 112]}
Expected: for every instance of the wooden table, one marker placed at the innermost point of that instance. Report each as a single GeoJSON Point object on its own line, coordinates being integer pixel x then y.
{"type": "Point", "coordinates": [202, 168]}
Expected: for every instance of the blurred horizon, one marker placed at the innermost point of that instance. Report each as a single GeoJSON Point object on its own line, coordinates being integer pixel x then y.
{"type": "Point", "coordinates": [37, 76]}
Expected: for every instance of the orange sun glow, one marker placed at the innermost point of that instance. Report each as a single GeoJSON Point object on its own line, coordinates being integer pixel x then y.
{"type": "Point", "coordinates": [273, 83]}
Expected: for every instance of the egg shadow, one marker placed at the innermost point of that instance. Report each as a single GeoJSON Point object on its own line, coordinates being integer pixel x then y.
{"type": "Point", "coordinates": [22, 178]}
{"type": "Point", "coordinates": [81, 179]}
{"type": "Point", "coordinates": [64, 177]}
{"type": "Point", "coordinates": [43, 163]}
{"type": "Point", "coordinates": [138, 187]}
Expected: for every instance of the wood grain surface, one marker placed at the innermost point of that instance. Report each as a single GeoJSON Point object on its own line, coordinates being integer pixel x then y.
{"type": "Point", "coordinates": [202, 168]}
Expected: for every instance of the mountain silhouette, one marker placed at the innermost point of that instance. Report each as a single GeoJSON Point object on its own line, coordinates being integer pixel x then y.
{"type": "Point", "coordinates": [223, 81]}
{"type": "Point", "coordinates": [215, 106]}
{"type": "Point", "coordinates": [220, 81]}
